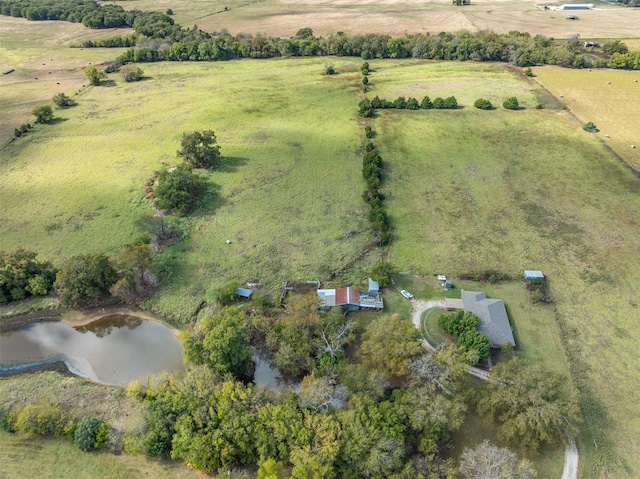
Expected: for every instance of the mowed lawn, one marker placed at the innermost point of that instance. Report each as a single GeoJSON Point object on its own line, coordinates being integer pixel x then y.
{"type": "Point", "coordinates": [608, 98]}
{"type": "Point", "coordinates": [502, 190]}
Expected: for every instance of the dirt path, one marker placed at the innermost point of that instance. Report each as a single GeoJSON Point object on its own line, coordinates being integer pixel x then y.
{"type": "Point", "coordinates": [418, 307]}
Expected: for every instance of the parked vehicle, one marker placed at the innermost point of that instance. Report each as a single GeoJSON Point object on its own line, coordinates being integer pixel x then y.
{"type": "Point", "coordinates": [406, 294]}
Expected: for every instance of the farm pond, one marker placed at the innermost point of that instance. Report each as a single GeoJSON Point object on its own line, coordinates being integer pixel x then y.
{"type": "Point", "coordinates": [113, 350]}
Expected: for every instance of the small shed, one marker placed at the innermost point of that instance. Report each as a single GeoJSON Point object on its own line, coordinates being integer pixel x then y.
{"type": "Point", "coordinates": [374, 288]}
{"type": "Point", "coordinates": [243, 293]}
{"type": "Point", "coordinates": [442, 277]}
{"type": "Point", "coordinates": [447, 284]}
{"type": "Point", "coordinates": [10, 70]}
{"type": "Point", "coordinates": [530, 274]}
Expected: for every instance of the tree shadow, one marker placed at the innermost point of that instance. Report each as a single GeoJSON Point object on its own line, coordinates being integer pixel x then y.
{"type": "Point", "coordinates": [108, 83]}
{"type": "Point", "coordinates": [57, 121]}
{"type": "Point", "coordinates": [230, 164]}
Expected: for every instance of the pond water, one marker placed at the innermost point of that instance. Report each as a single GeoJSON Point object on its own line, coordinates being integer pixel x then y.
{"type": "Point", "coordinates": [268, 376]}
{"type": "Point", "coordinates": [114, 350]}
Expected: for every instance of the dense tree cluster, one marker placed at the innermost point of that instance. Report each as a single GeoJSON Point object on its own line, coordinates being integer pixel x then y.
{"type": "Point", "coordinates": [346, 421]}
{"type": "Point", "coordinates": [23, 275]}
{"type": "Point", "coordinates": [462, 325]}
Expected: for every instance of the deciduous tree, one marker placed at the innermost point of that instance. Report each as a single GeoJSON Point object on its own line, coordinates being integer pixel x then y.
{"type": "Point", "coordinates": [84, 278]}
{"type": "Point", "coordinates": [178, 188]}
{"type": "Point", "coordinates": [43, 114]}
{"type": "Point", "coordinates": [200, 149]}
{"type": "Point", "coordinates": [487, 461]}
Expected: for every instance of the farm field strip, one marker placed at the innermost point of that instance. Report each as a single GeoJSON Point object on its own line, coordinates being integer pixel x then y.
{"type": "Point", "coordinates": [608, 98]}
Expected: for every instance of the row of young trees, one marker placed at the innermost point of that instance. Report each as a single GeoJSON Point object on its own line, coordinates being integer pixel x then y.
{"type": "Point", "coordinates": [372, 172]}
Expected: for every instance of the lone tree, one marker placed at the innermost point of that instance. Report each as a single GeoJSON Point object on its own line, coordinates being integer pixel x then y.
{"type": "Point", "coordinates": [200, 148]}
{"type": "Point", "coordinates": [94, 75]}
{"type": "Point", "coordinates": [43, 114]}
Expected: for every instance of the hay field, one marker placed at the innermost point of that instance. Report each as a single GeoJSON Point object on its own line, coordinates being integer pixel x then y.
{"type": "Point", "coordinates": [394, 17]}
{"type": "Point", "coordinates": [42, 50]}
{"type": "Point", "coordinates": [474, 190]}
{"type": "Point", "coordinates": [608, 98]}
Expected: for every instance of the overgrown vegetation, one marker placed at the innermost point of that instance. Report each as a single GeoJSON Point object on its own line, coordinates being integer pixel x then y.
{"type": "Point", "coordinates": [23, 275]}
{"type": "Point", "coordinates": [463, 325]}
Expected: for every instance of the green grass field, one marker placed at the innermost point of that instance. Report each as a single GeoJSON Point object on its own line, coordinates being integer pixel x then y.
{"type": "Point", "coordinates": [56, 458]}
{"type": "Point", "coordinates": [501, 190]}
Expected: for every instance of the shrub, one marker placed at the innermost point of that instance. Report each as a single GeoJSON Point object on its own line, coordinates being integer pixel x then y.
{"type": "Point", "coordinates": [131, 73]}
{"type": "Point", "coordinates": [529, 72]}
{"type": "Point", "coordinates": [438, 103]}
{"type": "Point", "coordinates": [426, 103]}
{"type": "Point", "coordinates": [412, 104]}
{"type": "Point", "coordinates": [400, 103]}
{"type": "Point", "coordinates": [382, 274]}
{"type": "Point", "coordinates": [63, 101]}
{"type": "Point", "coordinates": [483, 104]}
{"type": "Point", "coordinates": [368, 132]}
{"type": "Point", "coordinates": [511, 103]}
{"type": "Point", "coordinates": [475, 341]}
{"type": "Point", "coordinates": [451, 103]}
{"type": "Point", "coordinates": [329, 70]}
{"type": "Point", "coordinates": [365, 80]}
{"type": "Point", "coordinates": [90, 433]}
{"type": "Point", "coordinates": [590, 127]}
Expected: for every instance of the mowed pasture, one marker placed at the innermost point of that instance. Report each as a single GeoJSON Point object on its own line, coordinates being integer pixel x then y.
{"type": "Point", "coordinates": [608, 98]}
{"type": "Point", "coordinates": [284, 17]}
{"type": "Point", "coordinates": [501, 190]}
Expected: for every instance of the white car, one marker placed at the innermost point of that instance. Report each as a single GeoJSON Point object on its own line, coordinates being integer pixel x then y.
{"type": "Point", "coordinates": [406, 294]}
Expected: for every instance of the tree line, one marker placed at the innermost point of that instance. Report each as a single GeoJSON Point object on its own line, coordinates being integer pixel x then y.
{"type": "Point", "coordinates": [160, 38]}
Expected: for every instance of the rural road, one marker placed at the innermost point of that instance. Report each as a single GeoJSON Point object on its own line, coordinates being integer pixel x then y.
{"type": "Point", "coordinates": [418, 307]}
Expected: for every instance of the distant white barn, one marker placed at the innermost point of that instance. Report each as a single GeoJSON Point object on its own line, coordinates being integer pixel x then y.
{"type": "Point", "coordinates": [576, 6]}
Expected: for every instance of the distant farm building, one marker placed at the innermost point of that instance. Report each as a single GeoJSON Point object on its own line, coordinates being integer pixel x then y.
{"type": "Point", "coordinates": [576, 6]}
{"type": "Point", "coordinates": [492, 316]}
{"type": "Point", "coordinates": [529, 274]}
{"type": "Point", "coordinates": [243, 293]}
{"type": "Point", "coordinates": [374, 288]}
{"type": "Point", "coordinates": [448, 285]}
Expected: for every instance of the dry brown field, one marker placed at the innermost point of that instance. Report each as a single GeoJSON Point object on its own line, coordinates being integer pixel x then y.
{"type": "Point", "coordinates": [394, 17]}
{"type": "Point", "coordinates": [608, 98]}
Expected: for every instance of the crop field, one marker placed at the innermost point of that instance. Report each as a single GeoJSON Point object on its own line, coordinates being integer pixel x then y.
{"type": "Point", "coordinates": [608, 98]}
{"type": "Point", "coordinates": [284, 17]}
{"type": "Point", "coordinates": [474, 190]}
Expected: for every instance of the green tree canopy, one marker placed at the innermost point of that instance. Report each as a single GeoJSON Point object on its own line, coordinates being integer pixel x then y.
{"type": "Point", "coordinates": [22, 274]}
{"type": "Point", "coordinates": [390, 344]}
{"type": "Point", "coordinates": [178, 188]}
{"type": "Point", "coordinates": [43, 114]}
{"type": "Point", "coordinates": [84, 278]}
{"type": "Point", "coordinates": [483, 104]}
{"type": "Point", "coordinates": [532, 405]}
{"type": "Point", "coordinates": [475, 341]}
{"type": "Point", "coordinates": [200, 149]}
{"type": "Point", "coordinates": [221, 342]}
{"type": "Point", "coordinates": [133, 264]}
